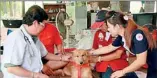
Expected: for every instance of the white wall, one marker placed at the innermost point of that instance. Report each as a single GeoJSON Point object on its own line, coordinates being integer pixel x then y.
{"type": "Point", "coordinates": [135, 6]}
{"type": "Point", "coordinates": [79, 15]}
{"type": "Point", "coordinates": [155, 9]}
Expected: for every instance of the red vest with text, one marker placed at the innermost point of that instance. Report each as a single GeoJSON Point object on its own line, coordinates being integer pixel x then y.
{"type": "Point", "coordinates": [117, 64]}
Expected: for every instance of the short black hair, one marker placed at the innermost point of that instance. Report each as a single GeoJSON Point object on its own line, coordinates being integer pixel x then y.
{"type": "Point", "coordinates": [35, 12]}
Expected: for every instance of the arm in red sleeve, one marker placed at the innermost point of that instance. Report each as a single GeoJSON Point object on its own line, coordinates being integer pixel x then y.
{"type": "Point", "coordinates": [58, 41]}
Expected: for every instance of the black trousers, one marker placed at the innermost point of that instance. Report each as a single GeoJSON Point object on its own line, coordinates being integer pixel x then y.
{"type": "Point", "coordinates": [151, 73]}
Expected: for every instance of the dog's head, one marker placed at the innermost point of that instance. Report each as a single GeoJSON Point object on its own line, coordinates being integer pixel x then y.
{"type": "Point", "coordinates": [80, 56]}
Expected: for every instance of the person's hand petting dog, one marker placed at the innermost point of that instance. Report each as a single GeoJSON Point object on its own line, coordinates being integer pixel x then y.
{"type": "Point", "coordinates": [93, 59]}
{"type": "Point", "coordinates": [63, 57]}
{"type": "Point", "coordinates": [48, 71]}
{"type": "Point", "coordinates": [91, 52]}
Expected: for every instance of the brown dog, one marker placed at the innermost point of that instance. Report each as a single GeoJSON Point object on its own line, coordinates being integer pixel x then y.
{"type": "Point", "coordinates": [79, 67]}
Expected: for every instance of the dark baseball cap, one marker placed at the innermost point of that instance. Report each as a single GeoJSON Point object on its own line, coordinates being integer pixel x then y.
{"type": "Point", "coordinates": [100, 18]}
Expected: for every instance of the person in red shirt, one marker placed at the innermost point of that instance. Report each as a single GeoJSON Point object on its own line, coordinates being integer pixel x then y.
{"type": "Point", "coordinates": [51, 38]}
{"type": "Point", "coordinates": [107, 63]}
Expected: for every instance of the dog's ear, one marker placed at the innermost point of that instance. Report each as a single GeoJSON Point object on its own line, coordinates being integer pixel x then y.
{"type": "Point", "coordinates": [87, 53]}
{"type": "Point", "coordinates": [73, 52]}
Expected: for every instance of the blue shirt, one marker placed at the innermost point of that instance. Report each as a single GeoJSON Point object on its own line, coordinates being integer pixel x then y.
{"type": "Point", "coordinates": [139, 42]}
{"type": "Point", "coordinates": [139, 45]}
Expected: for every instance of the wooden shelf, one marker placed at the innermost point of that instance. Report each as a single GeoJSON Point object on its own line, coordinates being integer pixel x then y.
{"type": "Point", "coordinates": [54, 8]}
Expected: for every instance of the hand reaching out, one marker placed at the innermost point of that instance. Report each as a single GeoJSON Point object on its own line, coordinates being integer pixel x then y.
{"type": "Point", "coordinates": [94, 59]}
{"type": "Point", "coordinates": [65, 57]}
